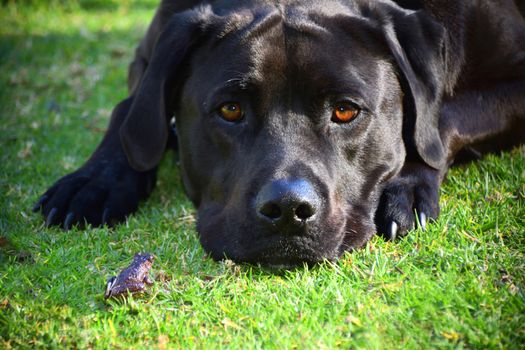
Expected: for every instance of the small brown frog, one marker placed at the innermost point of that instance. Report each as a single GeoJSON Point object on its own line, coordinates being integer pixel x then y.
{"type": "Point", "coordinates": [132, 279]}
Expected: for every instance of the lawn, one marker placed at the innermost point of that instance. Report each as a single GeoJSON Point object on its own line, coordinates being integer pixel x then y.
{"type": "Point", "coordinates": [460, 284]}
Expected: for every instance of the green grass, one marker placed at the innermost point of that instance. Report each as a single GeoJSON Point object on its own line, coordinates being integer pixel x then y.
{"type": "Point", "coordinates": [62, 69]}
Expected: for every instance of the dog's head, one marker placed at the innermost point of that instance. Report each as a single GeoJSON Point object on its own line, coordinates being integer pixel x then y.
{"type": "Point", "coordinates": [290, 118]}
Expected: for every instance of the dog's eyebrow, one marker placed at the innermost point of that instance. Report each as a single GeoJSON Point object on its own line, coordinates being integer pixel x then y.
{"type": "Point", "coordinates": [230, 87]}
{"type": "Point", "coordinates": [241, 82]}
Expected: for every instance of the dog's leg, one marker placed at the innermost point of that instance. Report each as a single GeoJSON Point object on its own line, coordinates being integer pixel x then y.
{"type": "Point", "coordinates": [481, 121]}
{"type": "Point", "coordinates": [104, 190]}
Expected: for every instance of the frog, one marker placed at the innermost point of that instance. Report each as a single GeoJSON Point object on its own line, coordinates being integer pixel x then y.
{"type": "Point", "coordinates": [133, 279]}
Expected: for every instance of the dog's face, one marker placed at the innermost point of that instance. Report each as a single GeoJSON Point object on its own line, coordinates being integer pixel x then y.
{"type": "Point", "coordinates": [289, 122]}
{"type": "Point", "coordinates": [277, 172]}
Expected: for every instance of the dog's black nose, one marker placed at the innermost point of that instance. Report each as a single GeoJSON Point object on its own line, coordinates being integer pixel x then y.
{"type": "Point", "coordinates": [287, 204]}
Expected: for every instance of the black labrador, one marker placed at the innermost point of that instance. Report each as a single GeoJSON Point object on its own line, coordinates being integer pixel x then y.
{"type": "Point", "coordinates": [305, 127]}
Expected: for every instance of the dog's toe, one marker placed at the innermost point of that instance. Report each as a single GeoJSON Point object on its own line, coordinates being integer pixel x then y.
{"type": "Point", "coordinates": [119, 203]}
{"type": "Point", "coordinates": [88, 202]}
{"type": "Point", "coordinates": [41, 201]}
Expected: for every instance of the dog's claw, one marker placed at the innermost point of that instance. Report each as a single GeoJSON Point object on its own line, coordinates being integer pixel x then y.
{"type": "Point", "coordinates": [68, 221]}
{"type": "Point", "coordinates": [393, 231]}
{"type": "Point", "coordinates": [423, 221]}
{"type": "Point", "coordinates": [105, 217]}
{"type": "Point", "coordinates": [51, 216]}
{"type": "Point", "coordinates": [38, 204]}
{"type": "Point", "coordinates": [109, 285]}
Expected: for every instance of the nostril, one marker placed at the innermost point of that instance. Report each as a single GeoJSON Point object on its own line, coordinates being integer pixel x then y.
{"type": "Point", "coordinates": [287, 205]}
{"type": "Point", "coordinates": [271, 210]}
{"type": "Point", "coordinates": [304, 211]}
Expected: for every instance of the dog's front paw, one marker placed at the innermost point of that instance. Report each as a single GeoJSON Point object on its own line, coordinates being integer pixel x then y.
{"type": "Point", "coordinates": [99, 193]}
{"type": "Point", "coordinates": [412, 196]}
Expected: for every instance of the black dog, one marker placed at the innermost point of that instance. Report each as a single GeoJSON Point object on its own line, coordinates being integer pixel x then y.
{"type": "Point", "coordinates": [304, 127]}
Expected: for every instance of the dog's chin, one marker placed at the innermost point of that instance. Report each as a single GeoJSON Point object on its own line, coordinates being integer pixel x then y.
{"type": "Point", "coordinates": [280, 255]}
{"type": "Point", "coordinates": [247, 244]}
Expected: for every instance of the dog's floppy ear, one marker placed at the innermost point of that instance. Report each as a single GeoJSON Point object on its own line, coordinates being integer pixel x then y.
{"type": "Point", "coordinates": [144, 132]}
{"type": "Point", "coordinates": [418, 45]}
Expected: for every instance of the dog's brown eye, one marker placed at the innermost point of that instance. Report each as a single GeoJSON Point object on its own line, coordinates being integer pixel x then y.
{"type": "Point", "coordinates": [231, 111]}
{"type": "Point", "coordinates": [344, 112]}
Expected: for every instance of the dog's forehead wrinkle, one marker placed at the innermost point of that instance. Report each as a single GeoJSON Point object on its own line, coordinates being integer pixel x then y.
{"type": "Point", "coordinates": [262, 21]}
{"type": "Point", "coordinates": [233, 23]}
{"type": "Point", "coordinates": [301, 21]}
{"type": "Point", "coordinates": [268, 60]}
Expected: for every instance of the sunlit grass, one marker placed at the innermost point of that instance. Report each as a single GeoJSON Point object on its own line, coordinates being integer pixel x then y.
{"type": "Point", "coordinates": [63, 68]}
